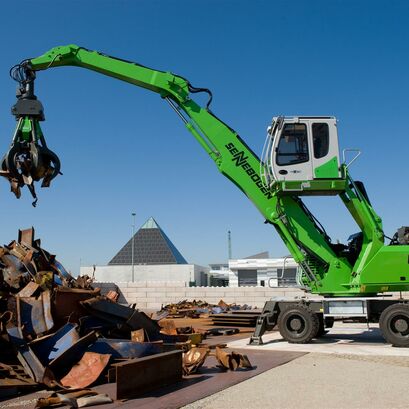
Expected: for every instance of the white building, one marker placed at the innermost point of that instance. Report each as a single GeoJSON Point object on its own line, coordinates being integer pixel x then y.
{"type": "Point", "coordinates": [263, 272]}
{"type": "Point", "coordinates": [218, 275]}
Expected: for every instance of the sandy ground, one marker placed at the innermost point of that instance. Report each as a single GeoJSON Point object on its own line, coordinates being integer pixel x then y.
{"type": "Point", "coordinates": [321, 381]}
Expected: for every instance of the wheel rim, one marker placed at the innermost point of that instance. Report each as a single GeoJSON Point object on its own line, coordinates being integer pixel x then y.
{"type": "Point", "coordinates": [399, 325]}
{"type": "Point", "coordinates": [295, 324]}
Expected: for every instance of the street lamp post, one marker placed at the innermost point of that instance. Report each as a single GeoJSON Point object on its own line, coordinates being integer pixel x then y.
{"type": "Point", "coordinates": [229, 244]}
{"type": "Point", "coordinates": [133, 243]}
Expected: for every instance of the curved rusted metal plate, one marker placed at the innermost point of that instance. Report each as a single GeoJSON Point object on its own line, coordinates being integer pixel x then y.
{"type": "Point", "coordinates": [86, 371]}
{"type": "Point", "coordinates": [194, 359]}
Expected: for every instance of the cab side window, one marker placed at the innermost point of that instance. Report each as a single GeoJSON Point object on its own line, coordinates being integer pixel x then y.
{"type": "Point", "coordinates": [293, 145]}
{"type": "Point", "coordinates": [320, 138]}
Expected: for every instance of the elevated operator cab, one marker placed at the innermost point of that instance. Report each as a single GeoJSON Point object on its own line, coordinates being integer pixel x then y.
{"type": "Point", "coordinates": [302, 149]}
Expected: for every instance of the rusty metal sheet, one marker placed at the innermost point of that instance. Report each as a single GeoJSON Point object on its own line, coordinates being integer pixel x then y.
{"type": "Point", "coordinates": [86, 371]}
{"type": "Point", "coordinates": [26, 236]}
{"type": "Point", "coordinates": [118, 348]}
{"type": "Point", "coordinates": [194, 359]}
{"type": "Point", "coordinates": [77, 399]}
{"type": "Point", "coordinates": [138, 335]}
{"type": "Point", "coordinates": [112, 295]}
{"type": "Point", "coordinates": [30, 264]}
{"type": "Point", "coordinates": [14, 376]}
{"type": "Point", "coordinates": [226, 360]}
{"type": "Point", "coordinates": [66, 304]}
{"type": "Point", "coordinates": [52, 346]}
{"type": "Point", "coordinates": [93, 400]}
{"type": "Point", "coordinates": [61, 270]}
{"type": "Point", "coordinates": [168, 327]}
{"type": "Point", "coordinates": [62, 364]}
{"type": "Point", "coordinates": [14, 271]}
{"type": "Point", "coordinates": [90, 323]}
{"type": "Point", "coordinates": [116, 313]}
{"type": "Point", "coordinates": [232, 360]}
{"type": "Point", "coordinates": [138, 376]}
{"type": "Point", "coordinates": [34, 315]}
{"type": "Point", "coordinates": [17, 250]}
{"type": "Point", "coordinates": [29, 290]}
{"type": "Point", "coordinates": [32, 365]}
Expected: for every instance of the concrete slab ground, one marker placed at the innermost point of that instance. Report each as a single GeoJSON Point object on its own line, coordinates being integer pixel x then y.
{"type": "Point", "coordinates": [321, 381]}
{"type": "Point", "coordinates": [351, 367]}
{"type": "Point", "coordinates": [354, 339]}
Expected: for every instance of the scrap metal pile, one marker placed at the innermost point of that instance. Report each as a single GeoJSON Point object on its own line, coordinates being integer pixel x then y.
{"type": "Point", "coordinates": [58, 331]}
{"type": "Point", "coordinates": [197, 308]}
{"type": "Point", "coordinates": [221, 314]}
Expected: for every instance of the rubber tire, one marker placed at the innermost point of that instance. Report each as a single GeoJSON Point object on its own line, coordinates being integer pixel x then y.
{"type": "Point", "coordinates": [309, 319]}
{"type": "Point", "coordinates": [385, 321]}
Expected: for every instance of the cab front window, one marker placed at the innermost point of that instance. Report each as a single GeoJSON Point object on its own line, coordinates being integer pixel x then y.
{"type": "Point", "coordinates": [293, 145]}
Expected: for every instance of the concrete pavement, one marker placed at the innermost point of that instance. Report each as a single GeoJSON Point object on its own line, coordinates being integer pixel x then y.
{"type": "Point", "coordinates": [321, 381]}
{"type": "Point", "coordinates": [351, 367]}
{"type": "Point", "coordinates": [355, 339]}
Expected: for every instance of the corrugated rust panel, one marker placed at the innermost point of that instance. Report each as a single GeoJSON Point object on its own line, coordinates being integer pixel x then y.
{"type": "Point", "coordinates": [138, 376]}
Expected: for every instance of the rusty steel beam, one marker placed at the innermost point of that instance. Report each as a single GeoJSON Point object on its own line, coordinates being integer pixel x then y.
{"type": "Point", "coordinates": [26, 236]}
{"type": "Point", "coordinates": [139, 376]}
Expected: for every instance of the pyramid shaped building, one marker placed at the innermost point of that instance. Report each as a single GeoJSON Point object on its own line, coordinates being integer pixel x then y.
{"type": "Point", "coordinates": [151, 247]}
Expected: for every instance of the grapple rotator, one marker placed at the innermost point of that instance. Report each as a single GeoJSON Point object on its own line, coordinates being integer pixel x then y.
{"type": "Point", "coordinates": [28, 159]}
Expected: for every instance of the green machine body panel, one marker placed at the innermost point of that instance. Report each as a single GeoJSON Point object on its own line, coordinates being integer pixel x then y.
{"type": "Point", "coordinates": [328, 170]}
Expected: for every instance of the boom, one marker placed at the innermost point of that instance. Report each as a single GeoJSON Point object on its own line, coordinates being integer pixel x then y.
{"type": "Point", "coordinates": [327, 269]}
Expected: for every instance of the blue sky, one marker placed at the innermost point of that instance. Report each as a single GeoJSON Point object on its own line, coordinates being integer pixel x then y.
{"type": "Point", "coordinates": [123, 150]}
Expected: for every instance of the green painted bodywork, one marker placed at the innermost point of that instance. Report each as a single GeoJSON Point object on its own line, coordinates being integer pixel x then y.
{"type": "Point", "coordinates": [326, 271]}
{"type": "Point", "coordinates": [329, 170]}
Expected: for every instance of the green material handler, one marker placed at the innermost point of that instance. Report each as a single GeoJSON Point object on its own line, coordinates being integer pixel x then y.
{"type": "Point", "coordinates": [300, 158]}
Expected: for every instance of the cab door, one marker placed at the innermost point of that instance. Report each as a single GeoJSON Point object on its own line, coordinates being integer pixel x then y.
{"type": "Point", "coordinates": [325, 155]}
{"type": "Point", "coordinates": [291, 156]}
